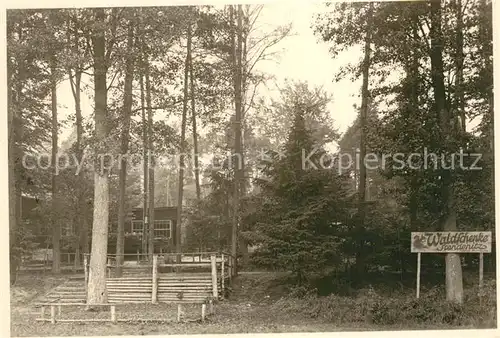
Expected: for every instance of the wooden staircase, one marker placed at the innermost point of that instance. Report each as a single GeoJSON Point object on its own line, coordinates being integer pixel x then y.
{"type": "Point", "coordinates": [71, 291]}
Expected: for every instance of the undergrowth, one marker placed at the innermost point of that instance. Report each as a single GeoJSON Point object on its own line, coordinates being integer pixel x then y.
{"type": "Point", "coordinates": [368, 306]}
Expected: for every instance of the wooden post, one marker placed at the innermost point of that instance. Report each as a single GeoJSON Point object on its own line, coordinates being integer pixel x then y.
{"type": "Point", "coordinates": [481, 272]}
{"type": "Point", "coordinates": [137, 256]}
{"type": "Point", "coordinates": [42, 312]}
{"type": "Point", "coordinates": [113, 313]}
{"type": "Point", "coordinates": [203, 309]}
{"type": "Point", "coordinates": [53, 314]}
{"type": "Point", "coordinates": [212, 307]}
{"type": "Point", "coordinates": [214, 276]}
{"type": "Point", "coordinates": [418, 273]}
{"type": "Point", "coordinates": [179, 309]}
{"type": "Point", "coordinates": [222, 274]}
{"type": "Point", "coordinates": [45, 259]}
{"type": "Point", "coordinates": [59, 310]}
{"type": "Point", "coordinates": [155, 280]}
{"type": "Point", "coordinates": [86, 272]}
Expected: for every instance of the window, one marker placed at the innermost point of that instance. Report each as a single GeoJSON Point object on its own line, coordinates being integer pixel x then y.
{"type": "Point", "coordinates": [137, 226]}
{"type": "Point", "coordinates": [163, 228]}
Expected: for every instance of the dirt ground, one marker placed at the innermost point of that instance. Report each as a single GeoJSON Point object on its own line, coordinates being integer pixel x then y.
{"type": "Point", "coordinates": [248, 310]}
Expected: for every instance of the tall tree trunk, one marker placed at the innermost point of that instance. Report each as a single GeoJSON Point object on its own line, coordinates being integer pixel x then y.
{"type": "Point", "coordinates": [413, 104]}
{"type": "Point", "coordinates": [125, 139]}
{"type": "Point", "coordinates": [360, 253]}
{"type": "Point", "coordinates": [244, 26]}
{"type": "Point", "coordinates": [486, 51]}
{"type": "Point", "coordinates": [82, 229]}
{"type": "Point", "coordinates": [151, 165]}
{"type": "Point", "coordinates": [145, 166]}
{"type": "Point", "coordinates": [459, 65]}
{"type": "Point", "coordinates": [178, 236]}
{"type": "Point", "coordinates": [56, 224]}
{"type": "Point", "coordinates": [13, 108]}
{"type": "Point", "coordinates": [454, 284]}
{"type": "Point", "coordinates": [238, 151]}
{"type": "Point", "coordinates": [195, 134]}
{"type": "Point", "coordinates": [234, 224]}
{"type": "Point", "coordinates": [98, 259]}
{"type": "Point", "coordinates": [75, 83]}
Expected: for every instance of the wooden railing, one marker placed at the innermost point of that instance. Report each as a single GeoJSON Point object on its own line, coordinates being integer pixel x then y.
{"type": "Point", "coordinates": [219, 266]}
{"type": "Point", "coordinates": [68, 262]}
{"type": "Point", "coordinates": [190, 259]}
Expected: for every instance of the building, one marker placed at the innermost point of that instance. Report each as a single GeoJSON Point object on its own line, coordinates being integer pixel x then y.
{"type": "Point", "coordinates": [34, 217]}
{"type": "Point", "coordinates": [31, 209]}
{"type": "Point", "coordinates": [165, 222]}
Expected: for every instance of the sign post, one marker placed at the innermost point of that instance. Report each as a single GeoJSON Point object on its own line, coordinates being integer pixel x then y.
{"type": "Point", "coordinates": [419, 257]}
{"type": "Point", "coordinates": [481, 262]}
{"type": "Point", "coordinates": [453, 241]}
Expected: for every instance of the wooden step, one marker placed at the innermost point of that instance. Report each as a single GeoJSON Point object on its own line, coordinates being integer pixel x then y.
{"type": "Point", "coordinates": [181, 285]}
{"type": "Point", "coordinates": [131, 286]}
{"type": "Point", "coordinates": [135, 294]}
{"type": "Point", "coordinates": [128, 288]}
{"type": "Point", "coordinates": [70, 287]}
{"type": "Point", "coordinates": [184, 294]}
{"type": "Point", "coordinates": [129, 279]}
{"type": "Point", "coordinates": [60, 292]}
{"type": "Point", "coordinates": [129, 299]}
{"type": "Point", "coordinates": [191, 289]}
{"type": "Point", "coordinates": [67, 300]}
{"type": "Point", "coordinates": [166, 281]}
{"type": "Point", "coordinates": [184, 299]}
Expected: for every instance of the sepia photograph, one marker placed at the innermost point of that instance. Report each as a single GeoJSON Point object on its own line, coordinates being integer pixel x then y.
{"type": "Point", "coordinates": [251, 168]}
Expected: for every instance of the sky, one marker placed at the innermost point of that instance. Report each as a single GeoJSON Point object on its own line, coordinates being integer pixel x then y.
{"type": "Point", "coordinates": [302, 57]}
{"type": "Point", "coordinates": [306, 58]}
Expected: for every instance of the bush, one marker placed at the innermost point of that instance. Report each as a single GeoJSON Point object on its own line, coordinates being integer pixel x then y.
{"type": "Point", "coordinates": [369, 307]}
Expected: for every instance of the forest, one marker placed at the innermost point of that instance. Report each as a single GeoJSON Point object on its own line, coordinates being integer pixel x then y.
{"type": "Point", "coordinates": [168, 111]}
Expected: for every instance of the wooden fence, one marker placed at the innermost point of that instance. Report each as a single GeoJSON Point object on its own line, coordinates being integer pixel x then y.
{"type": "Point", "coordinates": [113, 317]}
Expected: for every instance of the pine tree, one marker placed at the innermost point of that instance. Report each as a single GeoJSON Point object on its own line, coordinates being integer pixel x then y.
{"type": "Point", "coordinates": [304, 201]}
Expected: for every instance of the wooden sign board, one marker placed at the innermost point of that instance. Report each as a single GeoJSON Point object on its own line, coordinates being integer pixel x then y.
{"type": "Point", "coordinates": [459, 242]}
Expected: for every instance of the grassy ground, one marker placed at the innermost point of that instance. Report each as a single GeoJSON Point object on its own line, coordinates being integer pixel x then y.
{"type": "Point", "coordinates": [250, 309]}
